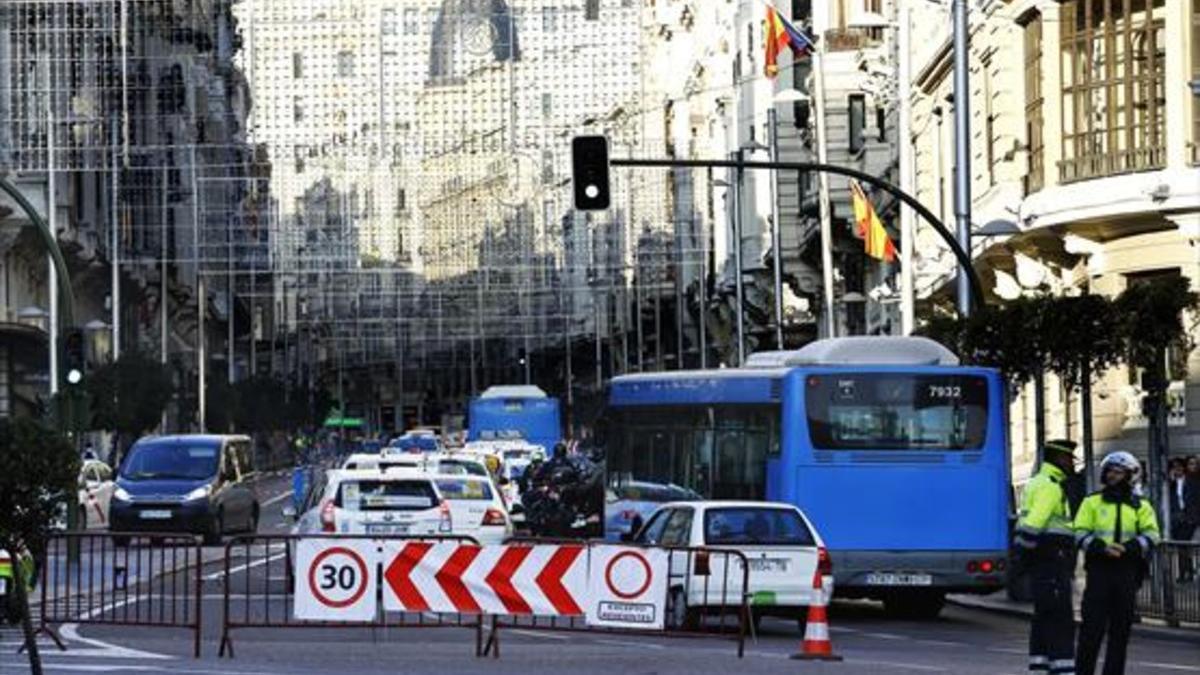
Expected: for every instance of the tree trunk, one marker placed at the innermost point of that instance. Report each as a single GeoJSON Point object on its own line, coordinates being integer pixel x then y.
{"type": "Point", "coordinates": [1085, 392]}
{"type": "Point", "coordinates": [1039, 412]}
{"type": "Point", "coordinates": [19, 588]}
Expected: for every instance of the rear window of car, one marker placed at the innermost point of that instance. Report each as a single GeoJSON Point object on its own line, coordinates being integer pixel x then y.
{"type": "Point", "coordinates": [386, 495]}
{"type": "Point", "coordinates": [461, 468]}
{"type": "Point", "coordinates": [751, 525]}
{"type": "Point", "coordinates": [465, 490]}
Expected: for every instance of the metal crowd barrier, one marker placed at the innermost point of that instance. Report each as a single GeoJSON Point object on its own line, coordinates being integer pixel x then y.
{"type": "Point", "coordinates": [122, 579]}
{"type": "Point", "coordinates": [706, 598]}
{"type": "Point", "coordinates": [1167, 593]}
{"type": "Point", "coordinates": [706, 595]}
{"type": "Point", "coordinates": [266, 599]}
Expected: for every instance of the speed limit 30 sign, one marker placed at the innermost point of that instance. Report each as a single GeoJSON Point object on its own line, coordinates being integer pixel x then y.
{"type": "Point", "coordinates": [336, 579]}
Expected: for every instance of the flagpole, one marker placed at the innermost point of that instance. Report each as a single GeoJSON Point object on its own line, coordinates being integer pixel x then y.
{"type": "Point", "coordinates": [818, 98]}
{"type": "Point", "coordinates": [907, 171]}
{"type": "Point", "coordinates": [817, 52]}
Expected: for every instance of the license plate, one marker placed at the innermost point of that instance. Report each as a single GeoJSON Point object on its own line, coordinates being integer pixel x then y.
{"type": "Point", "coordinates": [387, 529]}
{"type": "Point", "coordinates": [894, 579]}
{"type": "Point", "coordinates": [155, 515]}
{"type": "Point", "coordinates": [768, 564]}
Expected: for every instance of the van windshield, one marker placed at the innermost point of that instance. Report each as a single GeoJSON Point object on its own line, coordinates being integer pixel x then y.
{"type": "Point", "coordinates": [170, 461]}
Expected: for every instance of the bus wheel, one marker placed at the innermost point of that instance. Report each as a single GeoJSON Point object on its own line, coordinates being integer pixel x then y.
{"type": "Point", "coordinates": [922, 606]}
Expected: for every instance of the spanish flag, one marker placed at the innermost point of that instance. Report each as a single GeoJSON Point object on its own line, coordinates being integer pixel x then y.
{"type": "Point", "coordinates": [781, 33]}
{"type": "Point", "coordinates": [876, 242]}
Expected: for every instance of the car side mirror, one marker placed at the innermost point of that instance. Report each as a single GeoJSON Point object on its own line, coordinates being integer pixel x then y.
{"type": "Point", "coordinates": [289, 512]}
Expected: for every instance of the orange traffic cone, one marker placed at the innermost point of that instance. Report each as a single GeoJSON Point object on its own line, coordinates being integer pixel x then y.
{"type": "Point", "coordinates": [816, 645]}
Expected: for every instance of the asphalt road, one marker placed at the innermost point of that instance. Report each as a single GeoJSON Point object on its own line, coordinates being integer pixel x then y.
{"type": "Point", "coordinates": [967, 641]}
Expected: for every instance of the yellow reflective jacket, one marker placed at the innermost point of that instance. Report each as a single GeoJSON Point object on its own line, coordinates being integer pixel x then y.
{"type": "Point", "coordinates": [1098, 519]}
{"type": "Point", "coordinates": [1045, 516]}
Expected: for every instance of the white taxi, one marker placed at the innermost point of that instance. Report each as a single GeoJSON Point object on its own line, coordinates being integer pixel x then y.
{"type": "Point", "coordinates": [369, 502]}
{"type": "Point", "coordinates": [476, 507]}
{"type": "Point", "coordinates": [782, 549]}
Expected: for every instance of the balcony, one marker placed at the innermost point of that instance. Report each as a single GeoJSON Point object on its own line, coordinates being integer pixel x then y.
{"type": "Point", "coordinates": [1100, 165]}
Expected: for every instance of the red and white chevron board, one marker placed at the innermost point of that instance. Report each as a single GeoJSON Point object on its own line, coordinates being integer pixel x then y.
{"type": "Point", "coordinates": [543, 580]}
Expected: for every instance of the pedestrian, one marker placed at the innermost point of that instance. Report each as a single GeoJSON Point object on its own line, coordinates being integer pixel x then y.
{"type": "Point", "coordinates": [1045, 546]}
{"type": "Point", "coordinates": [1181, 492]}
{"type": "Point", "coordinates": [1117, 531]}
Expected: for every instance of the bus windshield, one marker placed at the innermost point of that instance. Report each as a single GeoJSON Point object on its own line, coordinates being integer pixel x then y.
{"type": "Point", "coordinates": [892, 411]}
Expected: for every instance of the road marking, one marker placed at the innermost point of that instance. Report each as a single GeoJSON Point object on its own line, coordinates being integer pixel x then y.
{"type": "Point", "coordinates": [1008, 650]}
{"type": "Point", "coordinates": [1169, 666]}
{"type": "Point", "coordinates": [904, 666]}
{"type": "Point", "coordinates": [277, 498]}
{"type": "Point", "coordinates": [70, 632]}
{"type": "Point", "coordinates": [537, 633]}
{"type": "Point", "coordinates": [117, 668]}
{"type": "Point", "coordinates": [631, 643]}
{"type": "Point", "coordinates": [247, 566]}
{"type": "Point", "coordinates": [885, 636]}
{"type": "Point", "coordinates": [943, 643]}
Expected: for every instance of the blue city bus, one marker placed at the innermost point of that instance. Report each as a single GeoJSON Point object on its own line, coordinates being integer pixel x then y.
{"type": "Point", "coordinates": [898, 454]}
{"type": "Point", "coordinates": [510, 412]}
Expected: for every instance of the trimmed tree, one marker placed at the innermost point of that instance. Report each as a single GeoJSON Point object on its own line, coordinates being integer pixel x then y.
{"type": "Point", "coordinates": [38, 470]}
{"type": "Point", "coordinates": [1151, 322]}
{"type": "Point", "coordinates": [129, 396]}
{"type": "Point", "coordinates": [1080, 338]}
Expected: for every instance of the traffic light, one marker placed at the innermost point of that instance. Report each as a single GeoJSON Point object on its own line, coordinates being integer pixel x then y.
{"type": "Point", "coordinates": [589, 173]}
{"type": "Point", "coordinates": [74, 356]}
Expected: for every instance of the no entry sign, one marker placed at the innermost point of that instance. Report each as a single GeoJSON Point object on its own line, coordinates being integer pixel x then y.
{"type": "Point", "coordinates": [627, 587]}
{"type": "Point", "coordinates": [336, 579]}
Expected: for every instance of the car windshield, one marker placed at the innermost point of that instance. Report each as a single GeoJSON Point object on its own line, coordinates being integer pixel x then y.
{"type": "Point", "coordinates": [171, 461]}
{"type": "Point", "coordinates": [386, 495]}
{"type": "Point", "coordinates": [464, 490]}
{"type": "Point", "coordinates": [753, 525]}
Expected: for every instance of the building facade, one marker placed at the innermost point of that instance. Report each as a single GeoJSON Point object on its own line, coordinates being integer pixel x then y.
{"type": "Point", "coordinates": [1085, 124]}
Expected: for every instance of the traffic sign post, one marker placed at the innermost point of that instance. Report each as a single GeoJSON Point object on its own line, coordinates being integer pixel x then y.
{"type": "Point", "coordinates": [627, 587]}
{"type": "Point", "coordinates": [336, 579]}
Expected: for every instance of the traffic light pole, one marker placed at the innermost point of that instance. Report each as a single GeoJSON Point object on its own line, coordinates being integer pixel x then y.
{"type": "Point", "coordinates": [66, 312]}
{"type": "Point", "coordinates": [974, 286]}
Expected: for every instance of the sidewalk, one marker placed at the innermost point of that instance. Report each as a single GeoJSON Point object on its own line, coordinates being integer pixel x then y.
{"type": "Point", "coordinates": [999, 602]}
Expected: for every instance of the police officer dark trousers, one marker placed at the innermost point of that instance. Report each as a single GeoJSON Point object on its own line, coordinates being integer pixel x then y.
{"type": "Point", "coordinates": [1046, 548]}
{"type": "Point", "coordinates": [1117, 531]}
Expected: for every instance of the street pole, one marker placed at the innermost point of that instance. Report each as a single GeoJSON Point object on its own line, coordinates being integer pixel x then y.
{"type": "Point", "coordinates": [737, 257]}
{"type": "Point", "coordinates": [776, 227]}
{"type": "Point", "coordinates": [51, 273]}
{"type": "Point", "coordinates": [907, 172]}
{"type": "Point", "coordinates": [818, 99]}
{"type": "Point", "coordinates": [962, 147]}
{"type": "Point", "coordinates": [115, 249]}
{"type": "Point", "coordinates": [201, 365]}
{"type": "Point", "coordinates": [162, 289]}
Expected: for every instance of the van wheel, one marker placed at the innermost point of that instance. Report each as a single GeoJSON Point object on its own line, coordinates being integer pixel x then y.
{"type": "Point", "coordinates": [216, 530]}
{"type": "Point", "coordinates": [802, 621]}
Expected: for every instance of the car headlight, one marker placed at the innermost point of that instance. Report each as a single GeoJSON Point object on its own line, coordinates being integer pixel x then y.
{"type": "Point", "coordinates": [201, 492]}
{"type": "Point", "coordinates": [120, 494]}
